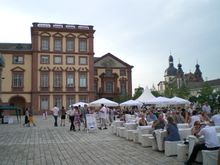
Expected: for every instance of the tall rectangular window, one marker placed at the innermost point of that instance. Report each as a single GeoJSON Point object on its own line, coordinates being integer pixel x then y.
{"type": "Point", "coordinates": [57, 79]}
{"type": "Point", "coordinates": [83, 98]}
{"type": "Point", "coordinates": [58, 101]}
{"type": "Point", "coordinates": [70, 45]}
{"type": "Point", "coordinates": [82, 79]}
{"type": "Point", "coordinates": [82, 45]}
{"type": "Point", "coordinates": [69, 101]}
{"type": "Point", "coordinates": [18, 59]}
{"type": "Point", "coordinates": [109, 87]}
{"type": "Point", "coordinates": [123, 88]}
{"type": "Point", "coordinates": [17, 79]}
{"type": "Point", "coordinates": [70, 79]}
{"type": "Point", "coordinates": [44, 102]}
{"type": "Point", "coordinates": [58, 44]}
{"type": "Point", "coordinates": [96, 86]}
{"type": "Point", "coordinates": [44, 79]}
{"type": "Point", "coordinates": [45, 43]}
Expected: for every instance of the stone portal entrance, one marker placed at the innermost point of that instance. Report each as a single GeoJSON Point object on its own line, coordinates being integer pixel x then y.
{"type": "Point", "coordinates": [19, 102]}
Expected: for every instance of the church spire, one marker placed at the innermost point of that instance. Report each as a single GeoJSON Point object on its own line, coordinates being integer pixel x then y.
{"type": "Point", "coordinates": [198, 73]}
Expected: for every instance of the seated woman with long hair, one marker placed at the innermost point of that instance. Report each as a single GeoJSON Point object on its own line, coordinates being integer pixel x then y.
{"type": "Point", "coordinates": [172, 130]}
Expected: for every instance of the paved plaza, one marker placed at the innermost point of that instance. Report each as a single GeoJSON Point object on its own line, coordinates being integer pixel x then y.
{"type": "Point", "coordinates": [48, 145]}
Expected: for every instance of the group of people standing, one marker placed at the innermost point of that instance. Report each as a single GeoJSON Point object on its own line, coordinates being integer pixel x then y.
{"type": "Point", "coordinates": [76, 114]}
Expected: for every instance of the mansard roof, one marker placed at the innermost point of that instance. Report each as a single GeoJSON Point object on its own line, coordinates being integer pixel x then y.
{"type": "Point", "coordinates": [15, 47]}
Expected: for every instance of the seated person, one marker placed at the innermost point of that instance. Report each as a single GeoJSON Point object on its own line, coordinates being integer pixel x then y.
{"type": "Point", "coordinates": [142, 121]}
{"type": "Point", "coordinates": [159, 123]}
{"type": "Point", "coordinates": [196, 128]}
{"type": "Point", "coordinates": [172, 130]}
{"type": "Point", "coordinates": [151, 117]}
{"type": "Point", "coordinates": [178, 118]}
{"type": "Point", "coordinates": [204, 117]}
{"type": "Point", "coordinates": [193, 118]}
{"type": "Point", "coordinates": [216, 119]}
{"type": "Point", "coordinates": [211, 142]}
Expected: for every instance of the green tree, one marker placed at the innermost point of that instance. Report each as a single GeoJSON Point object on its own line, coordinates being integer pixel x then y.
{"type": "Point", "coordinates": [206, 94]}
{"type": "Point", "coordinates": [182, 92]}
{"type": "Point", "coordinates": [121, 99]}
{"type": "Point", "coordinates": [137, 93]}
{"type": "Point", "coordinates": [155, 93]}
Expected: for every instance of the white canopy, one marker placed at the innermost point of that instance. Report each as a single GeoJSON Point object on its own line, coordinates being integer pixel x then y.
{"type": "Point", "coordinates": [109, 103]}
{"type": "Point", "coordinates": [80, 103]}
{"type": "Point", "coordinates": [131, 103]}
{"type": "Point", "coordinates": [177, 100]}
{"type": "Point", "coordinates": [145, 96]}
{"type": "Point", "coordinates": [159, 100]}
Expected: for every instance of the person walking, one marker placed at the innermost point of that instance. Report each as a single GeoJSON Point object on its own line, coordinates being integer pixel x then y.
{"type": "Point", "coordinates": [63, 116]}
{"type": "Point", "coordinates": [77, 117]}
{"type": "Point", "coordinates": [103, 116]}
{"type": "Point", "coordinates": [55, 114]}
{"type": "Point", "coordinates": [71, 117]}
{"type": "Point", "coordinates": [31, 117]}
{"type": "Point", "coordinates": [26, 118]}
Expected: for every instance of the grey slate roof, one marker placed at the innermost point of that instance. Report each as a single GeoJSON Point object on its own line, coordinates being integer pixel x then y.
{"type": "Point", "coordinates": [15, 47]}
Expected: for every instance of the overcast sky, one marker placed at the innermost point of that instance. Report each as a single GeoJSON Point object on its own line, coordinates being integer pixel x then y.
{"type": "Point", "coordinates": [140, 32]}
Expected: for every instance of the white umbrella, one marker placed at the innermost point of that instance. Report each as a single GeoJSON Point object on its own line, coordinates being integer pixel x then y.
{"type": "Point", "coordinates": [80, 103]}
{"type": "Point", "coordinates": [130, 103]}
{"type": "Point", "coordinates": [178, 100]}
{"type": "Point", "coordinates": [159, 100]}
{"type": "Point", "coordinates": [109, 103]}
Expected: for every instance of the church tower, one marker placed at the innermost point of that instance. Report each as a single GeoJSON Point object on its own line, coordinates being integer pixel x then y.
{"type": "Point", "coordinates": [198, 74]}
{"type": "Point", "coordinates": [171, 71]}
{"type": "Point", "coordinates": [180, 76]}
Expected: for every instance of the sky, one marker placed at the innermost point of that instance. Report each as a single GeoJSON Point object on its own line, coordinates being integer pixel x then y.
{"type": "Point", "coordinates": [143, 33]}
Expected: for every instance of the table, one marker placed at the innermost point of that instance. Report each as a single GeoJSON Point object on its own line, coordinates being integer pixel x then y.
{"type": "Point", "coordinates": [130, 126]}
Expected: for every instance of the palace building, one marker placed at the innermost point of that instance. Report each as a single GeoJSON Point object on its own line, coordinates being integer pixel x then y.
{"type": "Point", "coordinates": [59, 67]}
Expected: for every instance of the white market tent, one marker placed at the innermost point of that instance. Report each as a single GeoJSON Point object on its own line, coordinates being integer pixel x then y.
{"type": "Point", "coordinates": [109, 103]}
{"type": "Point", "coordinates": [145, 96]}
{"type": "Point", "coordinates": [177, 100]}
{"type": "Point", "coordinates": [80, 103]}
{"type": "Point", "coordinates": [131, 103]}
{"type": "Point", "coordinates": [159, 101]}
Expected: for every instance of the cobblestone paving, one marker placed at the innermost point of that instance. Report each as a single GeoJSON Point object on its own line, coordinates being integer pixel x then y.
{"type": "Point", "coordinates": [48, 145]}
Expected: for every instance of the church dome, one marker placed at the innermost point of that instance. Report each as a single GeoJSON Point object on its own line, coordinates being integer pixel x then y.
{"type": "Point", "coordinates": [180, 72]}
{"type": "Point", "coordinates": [171, 70]}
